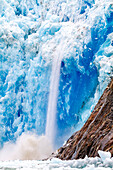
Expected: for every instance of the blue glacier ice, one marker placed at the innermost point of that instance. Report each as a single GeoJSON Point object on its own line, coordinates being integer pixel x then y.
{"type": "Point", "coordinates": [30, 33]}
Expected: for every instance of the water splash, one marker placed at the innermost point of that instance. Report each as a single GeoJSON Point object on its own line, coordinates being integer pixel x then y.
{"type": "Point", "coordinates": [52, 102]}
{"type": "Point", "coordinates": [27, 147]}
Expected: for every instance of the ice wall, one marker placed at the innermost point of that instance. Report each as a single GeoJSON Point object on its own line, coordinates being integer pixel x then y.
{"type": "Point", "coordinates": [30, 31]}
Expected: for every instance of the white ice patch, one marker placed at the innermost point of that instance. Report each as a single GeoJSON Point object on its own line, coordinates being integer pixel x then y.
{"type": "Point", "coordinates": [27, 147]}
{"type": "Point", "coordinates": [104, 155]}
{"type": "Point", "coordinates": [57, 164]}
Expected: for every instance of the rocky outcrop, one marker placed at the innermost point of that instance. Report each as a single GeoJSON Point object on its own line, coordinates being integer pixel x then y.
{"type": "Point", "coordinates": [96, 134]}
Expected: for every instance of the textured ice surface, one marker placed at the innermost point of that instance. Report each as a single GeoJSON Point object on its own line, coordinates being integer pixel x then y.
{"type": "Point", "coordinates": [104, 155]}
{"type": "Point", "coordinates": [56, 164]}
{"type": "Point", "coordinates": [30, 31]}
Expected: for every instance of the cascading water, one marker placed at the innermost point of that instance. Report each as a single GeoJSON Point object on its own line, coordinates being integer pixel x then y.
{"type": "Point", "coordinates": [53, 94]}
{"type": "Point", "coordinates": [23, 7]}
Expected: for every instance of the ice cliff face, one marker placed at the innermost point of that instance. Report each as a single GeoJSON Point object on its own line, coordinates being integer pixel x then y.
{"type": "Point", "coordinates": [30, 31]}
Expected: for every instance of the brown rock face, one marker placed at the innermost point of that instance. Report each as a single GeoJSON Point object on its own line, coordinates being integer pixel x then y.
{"type": "Point", "coordinates": [96, 134]}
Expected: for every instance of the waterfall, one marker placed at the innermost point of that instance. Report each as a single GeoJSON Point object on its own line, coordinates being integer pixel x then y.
{"type": "Point", "coordinates": [52, 102]}
{"type": "Point", "coordinates": [22, 7]}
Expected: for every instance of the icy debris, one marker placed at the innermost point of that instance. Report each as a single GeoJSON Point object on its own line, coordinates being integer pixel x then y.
{"type": "Point", "coordinates": [104, 155]}
{"type": "Point", "coordinates": [57, 164]}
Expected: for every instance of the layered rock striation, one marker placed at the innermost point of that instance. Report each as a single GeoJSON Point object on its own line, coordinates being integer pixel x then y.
{"type": "Point", "coordinates": [96, 134]}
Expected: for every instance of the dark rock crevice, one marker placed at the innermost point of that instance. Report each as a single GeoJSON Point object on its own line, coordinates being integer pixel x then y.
{"type": "Point", "coordinates": [96, 134]}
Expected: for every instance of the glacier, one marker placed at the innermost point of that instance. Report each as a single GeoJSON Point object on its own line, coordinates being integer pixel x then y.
{"type": "Point", "coordinates": [30, 33]}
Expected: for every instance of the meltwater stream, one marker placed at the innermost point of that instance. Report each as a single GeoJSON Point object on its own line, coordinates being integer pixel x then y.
{"type": "Point", "coordinates": [52, 103]}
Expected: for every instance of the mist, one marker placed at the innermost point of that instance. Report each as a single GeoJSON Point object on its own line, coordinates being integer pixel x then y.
{"type": "Point", "coordinates": [27, 147]}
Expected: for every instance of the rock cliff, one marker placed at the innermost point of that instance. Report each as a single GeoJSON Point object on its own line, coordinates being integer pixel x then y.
{"type": "Point", "coordinates": [96, 134]}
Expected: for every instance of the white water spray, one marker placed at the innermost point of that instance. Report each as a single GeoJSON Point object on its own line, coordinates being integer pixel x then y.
{"type": "Point", "coordinates": [27, 147]}
{"type": "Point", "coordinates": [52, 103]}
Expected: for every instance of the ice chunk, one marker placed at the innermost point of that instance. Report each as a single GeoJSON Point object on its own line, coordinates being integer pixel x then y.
{"type": "Point", "coordinates": [104, 155]}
